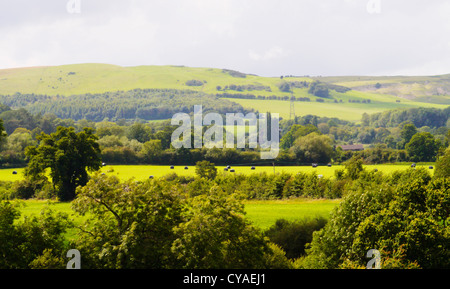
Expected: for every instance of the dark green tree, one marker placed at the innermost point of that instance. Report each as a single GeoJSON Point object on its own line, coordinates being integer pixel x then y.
{"type": "Point", "coordinates": [443, 165]}
{"type": "Point", "coordinates": [206, 169]}
{"type": "Point", "coordinates": [24, 240]}
{"type": "Point", "coordinates": [3, 134]}
{"type": "Point", "coordinates": [405, 218]}
{"type": "Point", "coordinates": [422, 147]}
{"type": "Point", "coordinates": [313, 148]}
{"type": "Point", "coordinates": [139, 132]}
{"type": "Point", "coordinates": [407, 132]}
{"type": "Point", "coordinates": [354, 167]}
{"type": "Point", "coordinates": [156, 225]}
{"type": "Point", "coordinates": [68, 155]}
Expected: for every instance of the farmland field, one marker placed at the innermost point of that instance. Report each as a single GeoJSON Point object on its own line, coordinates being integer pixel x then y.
{"type": "Point", "coordinates": [142, 172]}
{"type": "Point", "coordinates": [262, 214]}
{"type": "Point", "coordinates": [346, 111]}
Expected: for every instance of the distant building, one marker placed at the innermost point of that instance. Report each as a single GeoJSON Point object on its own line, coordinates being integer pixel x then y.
{"type": "Point", "coordinates": [355, 147]}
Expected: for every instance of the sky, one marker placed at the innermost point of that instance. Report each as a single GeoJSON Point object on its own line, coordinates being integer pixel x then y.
{"type": "Point", "coordinates": [262, 37]}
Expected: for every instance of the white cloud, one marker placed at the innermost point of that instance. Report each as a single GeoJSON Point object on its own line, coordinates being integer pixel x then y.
{"type": "Point", "coordinates": [273, 53]}
{"type": "Point", "coordinates": [265, 37]}
{"type": "Point", "coordinates": [75, 39]}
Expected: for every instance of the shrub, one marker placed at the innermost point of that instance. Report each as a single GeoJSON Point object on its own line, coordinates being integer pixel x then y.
{"type": "Point", "coordinates": [194, 82]}
{"type": "Point", "coordinates": [27, 189]}
{"type": "Point", "coordinates": [292, 236]}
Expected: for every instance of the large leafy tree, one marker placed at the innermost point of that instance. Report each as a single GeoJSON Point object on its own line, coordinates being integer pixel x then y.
{"type": "Point", "coordinates": [205, 169]}
{"type": "Point", "coordinates": [2, 133]}
{"type": "Point", "coordinates": [443, 165]}
{"type": "Point", "coordinates": [156, 225]}
{"type": "Point", "coordinates": [313, 148]}
{"type": "Point", "coordinates": [406, 219]}
{"type": "Point", "coordinates": [407, 132]}
{"type": "Point", "coordinates": [423, 147]}
{"type": "Point", "coordinates": [30, 241]}
{"type": "Point", "coordinates": [68, 155]}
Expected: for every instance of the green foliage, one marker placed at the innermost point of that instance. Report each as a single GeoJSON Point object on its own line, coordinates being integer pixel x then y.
{"type": "Point", "coordinates": [407, 132]}
{"type": "Point", "coordinates": [156, 225]}
{"type": "Point", "coordinates": [443, 165]}
{"type": "Point", "coordinates": [48, 261]}
{"type": "Point", "coordinates": [26, 243]}
{"type": "Point", "coordinates": [206, 169]}
{"type": "Point", "coordinates": [313, 148]}
{"type": "Point", "coordinates": [284, 87]}
{"type": "Point", "coordinates": [422, 147]}
{"type": "Point", "coordinates": [354, 167]}
{"type": "Point", "coordinates": [292, 237]}
{"type": "Point", "coordinates": [296, 131]}
{"type": "Point", "coordinates": [319, 89]}
{"type": "Point", "coordinates": [68, 155]}
{"type": "Point", "coordinates": [2, 132]}
{"type": "Point", "coordinates": [215, 234]}
{"type": "Point", "coordinates": [194, 82]}
{"type": "Point", "coordinates": [27, 189]}
{"type": "Point", "coordinates": [409, 211]}
{"type": "Point", "coordinates": [147, 104]}
{"type": "Point", "coordinates": [419, 117]}
{"type": "Point", "coordinates": [152, 151]}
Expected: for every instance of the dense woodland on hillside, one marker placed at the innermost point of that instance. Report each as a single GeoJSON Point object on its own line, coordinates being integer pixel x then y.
{"type": "Point", "coordinates": [144, 104]}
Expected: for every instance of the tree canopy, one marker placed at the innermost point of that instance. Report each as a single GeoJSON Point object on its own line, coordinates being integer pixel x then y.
{"type": "Point", "coordinates": [68, 155]}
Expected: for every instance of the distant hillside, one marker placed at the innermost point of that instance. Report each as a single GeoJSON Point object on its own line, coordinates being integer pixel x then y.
{"type": "Point", "coordinates": [99, 78]}
{"type": "Point", "coordinates": [343, 97]}
{"type": "Point", "coordinates": [432, 89]}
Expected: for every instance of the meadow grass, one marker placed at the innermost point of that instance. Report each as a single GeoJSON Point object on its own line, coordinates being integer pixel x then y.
{"type": "Point", "coordinates": [264, 214]}
{"type": "Point", "coordinates": [31, 208]}
{"type": "Point", "coordinates": [346, 111]}
{"type": "Point", "coordinates": [142, 172]}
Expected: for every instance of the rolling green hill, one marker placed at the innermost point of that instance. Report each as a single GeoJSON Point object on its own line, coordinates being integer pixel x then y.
{"type": "Point", "coordinates": [433, 89]}
{"type": "Point", "coordinates": [250, 91]}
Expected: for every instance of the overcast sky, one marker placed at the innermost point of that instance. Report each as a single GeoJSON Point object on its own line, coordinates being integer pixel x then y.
{"type": "Point", "coordinates": [263, 37]}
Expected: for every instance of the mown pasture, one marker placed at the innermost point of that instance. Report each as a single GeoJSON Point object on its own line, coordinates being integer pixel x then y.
{"type": "Point", "coordinates": [142, 172]}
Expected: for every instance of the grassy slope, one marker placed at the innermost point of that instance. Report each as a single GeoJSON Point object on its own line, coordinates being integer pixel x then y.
{"type": "Point", "coordinates": [346, 111]}
{"type": "Point", "coordinates": [432, 89]}
{"type": "Point", "coordinates": [99, 78]}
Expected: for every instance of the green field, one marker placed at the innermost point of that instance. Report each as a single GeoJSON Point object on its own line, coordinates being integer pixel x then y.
{"type": "Point", "coordinates": [34, 208]}
{"type": "Point", "coordinates": [142, 172]}
{"type": "Point", "coordinates": [99, 78]}
{"type": "Point", "coordinates": [263, 214]}
{"type": "Point", "coordinates": [345, 110]}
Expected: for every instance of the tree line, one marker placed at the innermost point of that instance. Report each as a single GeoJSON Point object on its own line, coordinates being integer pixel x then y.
{"type": "Point", "coordinates": [144, 104]}
{"type": "Point", "coordinates": [303, 140]}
